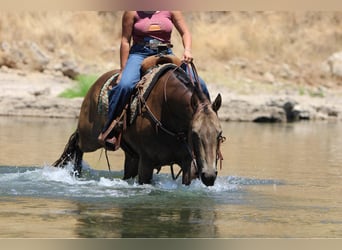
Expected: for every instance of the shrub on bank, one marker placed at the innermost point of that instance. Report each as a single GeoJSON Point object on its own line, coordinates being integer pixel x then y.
{"type": "Point", "coordinates": [84, 82]}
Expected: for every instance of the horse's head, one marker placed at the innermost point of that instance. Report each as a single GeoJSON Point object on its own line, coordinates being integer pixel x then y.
{"type": "Point", "coordinates": [206, 136]}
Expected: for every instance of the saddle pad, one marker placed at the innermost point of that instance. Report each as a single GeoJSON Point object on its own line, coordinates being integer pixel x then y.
{"type": "Point", "coordinates": [102, 107]}
{"type": "Point", "coordinates": [146, 84]}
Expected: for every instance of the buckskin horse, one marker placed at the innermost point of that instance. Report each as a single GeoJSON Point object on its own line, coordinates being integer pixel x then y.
{"type": "Point", "coordinates": [175, 123]}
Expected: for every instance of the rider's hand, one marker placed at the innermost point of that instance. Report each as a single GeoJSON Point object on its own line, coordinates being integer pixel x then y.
{"type": "Point", "coordinates": [187, 57]}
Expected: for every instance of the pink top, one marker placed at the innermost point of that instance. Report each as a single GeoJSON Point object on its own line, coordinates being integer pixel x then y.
{"type": "Point", "coordinates": [156, 25]}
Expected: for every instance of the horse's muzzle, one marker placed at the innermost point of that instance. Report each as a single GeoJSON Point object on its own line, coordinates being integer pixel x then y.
{"type": "Point", "coordinates": [208, 179]}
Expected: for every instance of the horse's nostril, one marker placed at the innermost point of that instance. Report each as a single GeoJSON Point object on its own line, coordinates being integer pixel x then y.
{"type": "Point", "coordinates": [208, 180]}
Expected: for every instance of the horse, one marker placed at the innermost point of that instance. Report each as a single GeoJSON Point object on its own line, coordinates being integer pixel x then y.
{"type": "Point", "coordinates": [175, 124]}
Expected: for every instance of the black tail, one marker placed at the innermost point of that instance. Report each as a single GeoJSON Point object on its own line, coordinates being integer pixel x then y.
{"type": "Point", "coordinates": [72, 154]}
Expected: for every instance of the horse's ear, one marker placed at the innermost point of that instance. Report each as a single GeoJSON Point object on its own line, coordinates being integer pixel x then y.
{"type": "Point", "coordinates": [217, 103]}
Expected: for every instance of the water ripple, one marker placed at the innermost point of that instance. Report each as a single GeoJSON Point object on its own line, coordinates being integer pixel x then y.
{"type": "Point", "coordinates": [48, 181]}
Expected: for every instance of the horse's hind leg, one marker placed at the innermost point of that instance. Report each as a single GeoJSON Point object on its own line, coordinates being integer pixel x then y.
{"type": "Point", "coordinates": [71, 154]}
{"type": "Point", "coordinates": [78, 162]}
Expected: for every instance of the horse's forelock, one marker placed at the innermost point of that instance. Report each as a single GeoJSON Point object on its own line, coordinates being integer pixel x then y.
{"type": "Point", "coordinates": [204, 107]}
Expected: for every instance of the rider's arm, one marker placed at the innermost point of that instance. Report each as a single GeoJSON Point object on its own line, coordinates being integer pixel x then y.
{"type": "Point", "coordinates": [181, 26]}
{"type": "Point", "coordinates": [127, 28]}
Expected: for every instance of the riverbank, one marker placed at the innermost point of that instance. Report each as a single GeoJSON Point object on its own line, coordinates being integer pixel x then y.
{"type": "Point", "coordinates": [33, 94]}
{"type": "Point", "coordinates": [269, 66]}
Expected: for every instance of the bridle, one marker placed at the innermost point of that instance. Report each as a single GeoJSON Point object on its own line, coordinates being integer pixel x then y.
{"type": "Point", "coordinates": [219, 157]}
{"type": "Point", "coordinates": [181, 136]}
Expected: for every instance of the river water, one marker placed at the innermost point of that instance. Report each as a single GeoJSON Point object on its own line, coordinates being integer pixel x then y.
{"type": "Point", "coordinates": [278, 180]}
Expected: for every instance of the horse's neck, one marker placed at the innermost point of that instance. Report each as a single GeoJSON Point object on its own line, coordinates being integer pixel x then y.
{"type": "Point", "coordinates": [177, 105]}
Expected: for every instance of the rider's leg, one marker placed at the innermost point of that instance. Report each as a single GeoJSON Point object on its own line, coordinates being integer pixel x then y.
{"type": "Point", "coordinates": [120, 93]}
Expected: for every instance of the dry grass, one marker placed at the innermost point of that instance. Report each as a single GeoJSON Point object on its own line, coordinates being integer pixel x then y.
{"type": "Point", "coordinates": [84, 35]}
{"type": "Point", "coordinates": [285, 36]}
{"type": "Point", "coordinates": [298, 39]}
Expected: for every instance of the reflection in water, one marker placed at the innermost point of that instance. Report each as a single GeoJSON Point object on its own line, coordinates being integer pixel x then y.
{"type": "Point", "coordinates": [68, 219]}
{"type": "Point", "coordinates": [147, 220]}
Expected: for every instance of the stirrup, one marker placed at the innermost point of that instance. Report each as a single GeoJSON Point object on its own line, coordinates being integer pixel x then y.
{"type": "Point", "coordinates": [103, 136]}
{"type": "Point", "coordinates": [113, 143]}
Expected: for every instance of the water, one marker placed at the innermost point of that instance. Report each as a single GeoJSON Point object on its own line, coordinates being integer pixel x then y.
{"type": "Point", "coordinates": [278, 180]}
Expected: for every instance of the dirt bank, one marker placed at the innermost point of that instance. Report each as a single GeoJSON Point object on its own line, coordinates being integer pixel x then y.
{"type": "Point", "coordinates": [269, 66]}
{"type": "Point", "coordinates": [36, 94]}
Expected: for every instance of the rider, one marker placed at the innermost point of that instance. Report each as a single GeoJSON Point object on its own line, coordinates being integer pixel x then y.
{"type": "Point", "coordinates": [146, 28]}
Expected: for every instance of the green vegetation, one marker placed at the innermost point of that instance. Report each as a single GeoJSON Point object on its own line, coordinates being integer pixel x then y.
{"type": "Point", "coordinates": [84, 82]}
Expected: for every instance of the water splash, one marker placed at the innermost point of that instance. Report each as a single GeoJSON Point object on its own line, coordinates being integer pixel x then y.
{"type": "Point", "coordinates": [52, 182]}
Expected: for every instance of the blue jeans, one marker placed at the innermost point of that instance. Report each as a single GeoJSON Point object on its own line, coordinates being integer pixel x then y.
{"type": "Point", "coordinates": [119, 95]}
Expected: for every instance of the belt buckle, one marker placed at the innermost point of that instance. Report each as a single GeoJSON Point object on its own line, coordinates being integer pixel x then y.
{"type": "Point", "coordinates": [153, 44]}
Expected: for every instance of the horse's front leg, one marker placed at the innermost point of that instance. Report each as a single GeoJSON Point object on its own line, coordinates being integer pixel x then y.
{"type": "Point", "coordinates": [189, 171]}
{"type": "Point", "coordinates": [131, 166]}
{"type": "Point", "coordinates": [145, 171]}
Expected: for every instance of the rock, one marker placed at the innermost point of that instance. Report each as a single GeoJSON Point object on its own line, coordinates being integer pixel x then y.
{"type": "Point", "coordinates": [269, 77]}
{"type": "Point", "coordinates": [291, 113]}
{"type": "Point", "coordinates": [268, 114]}
{"type": "Point", "coordinates": [281, 108]}
{"type": "Point", "coordinates": [286, 72]}
{"type": "Point", "coordinates": [335, 64]}
{"type": "Point", "coordinates": [39, 60]}
{"type": "Point", "coordinates": [327, 111]}
{"type": "Point", "coordinates": [325, 68]}
{"type": "Point", "coordinates": [69, 69]}
{"type": "Point", "coordinates": [23, 55]}
{"type": "Point", "coordinates": [303, 113]}
{"type": "Point", "coordinates": [251, 111]}
{"type": "Point", "coordinates": [11, 56]}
